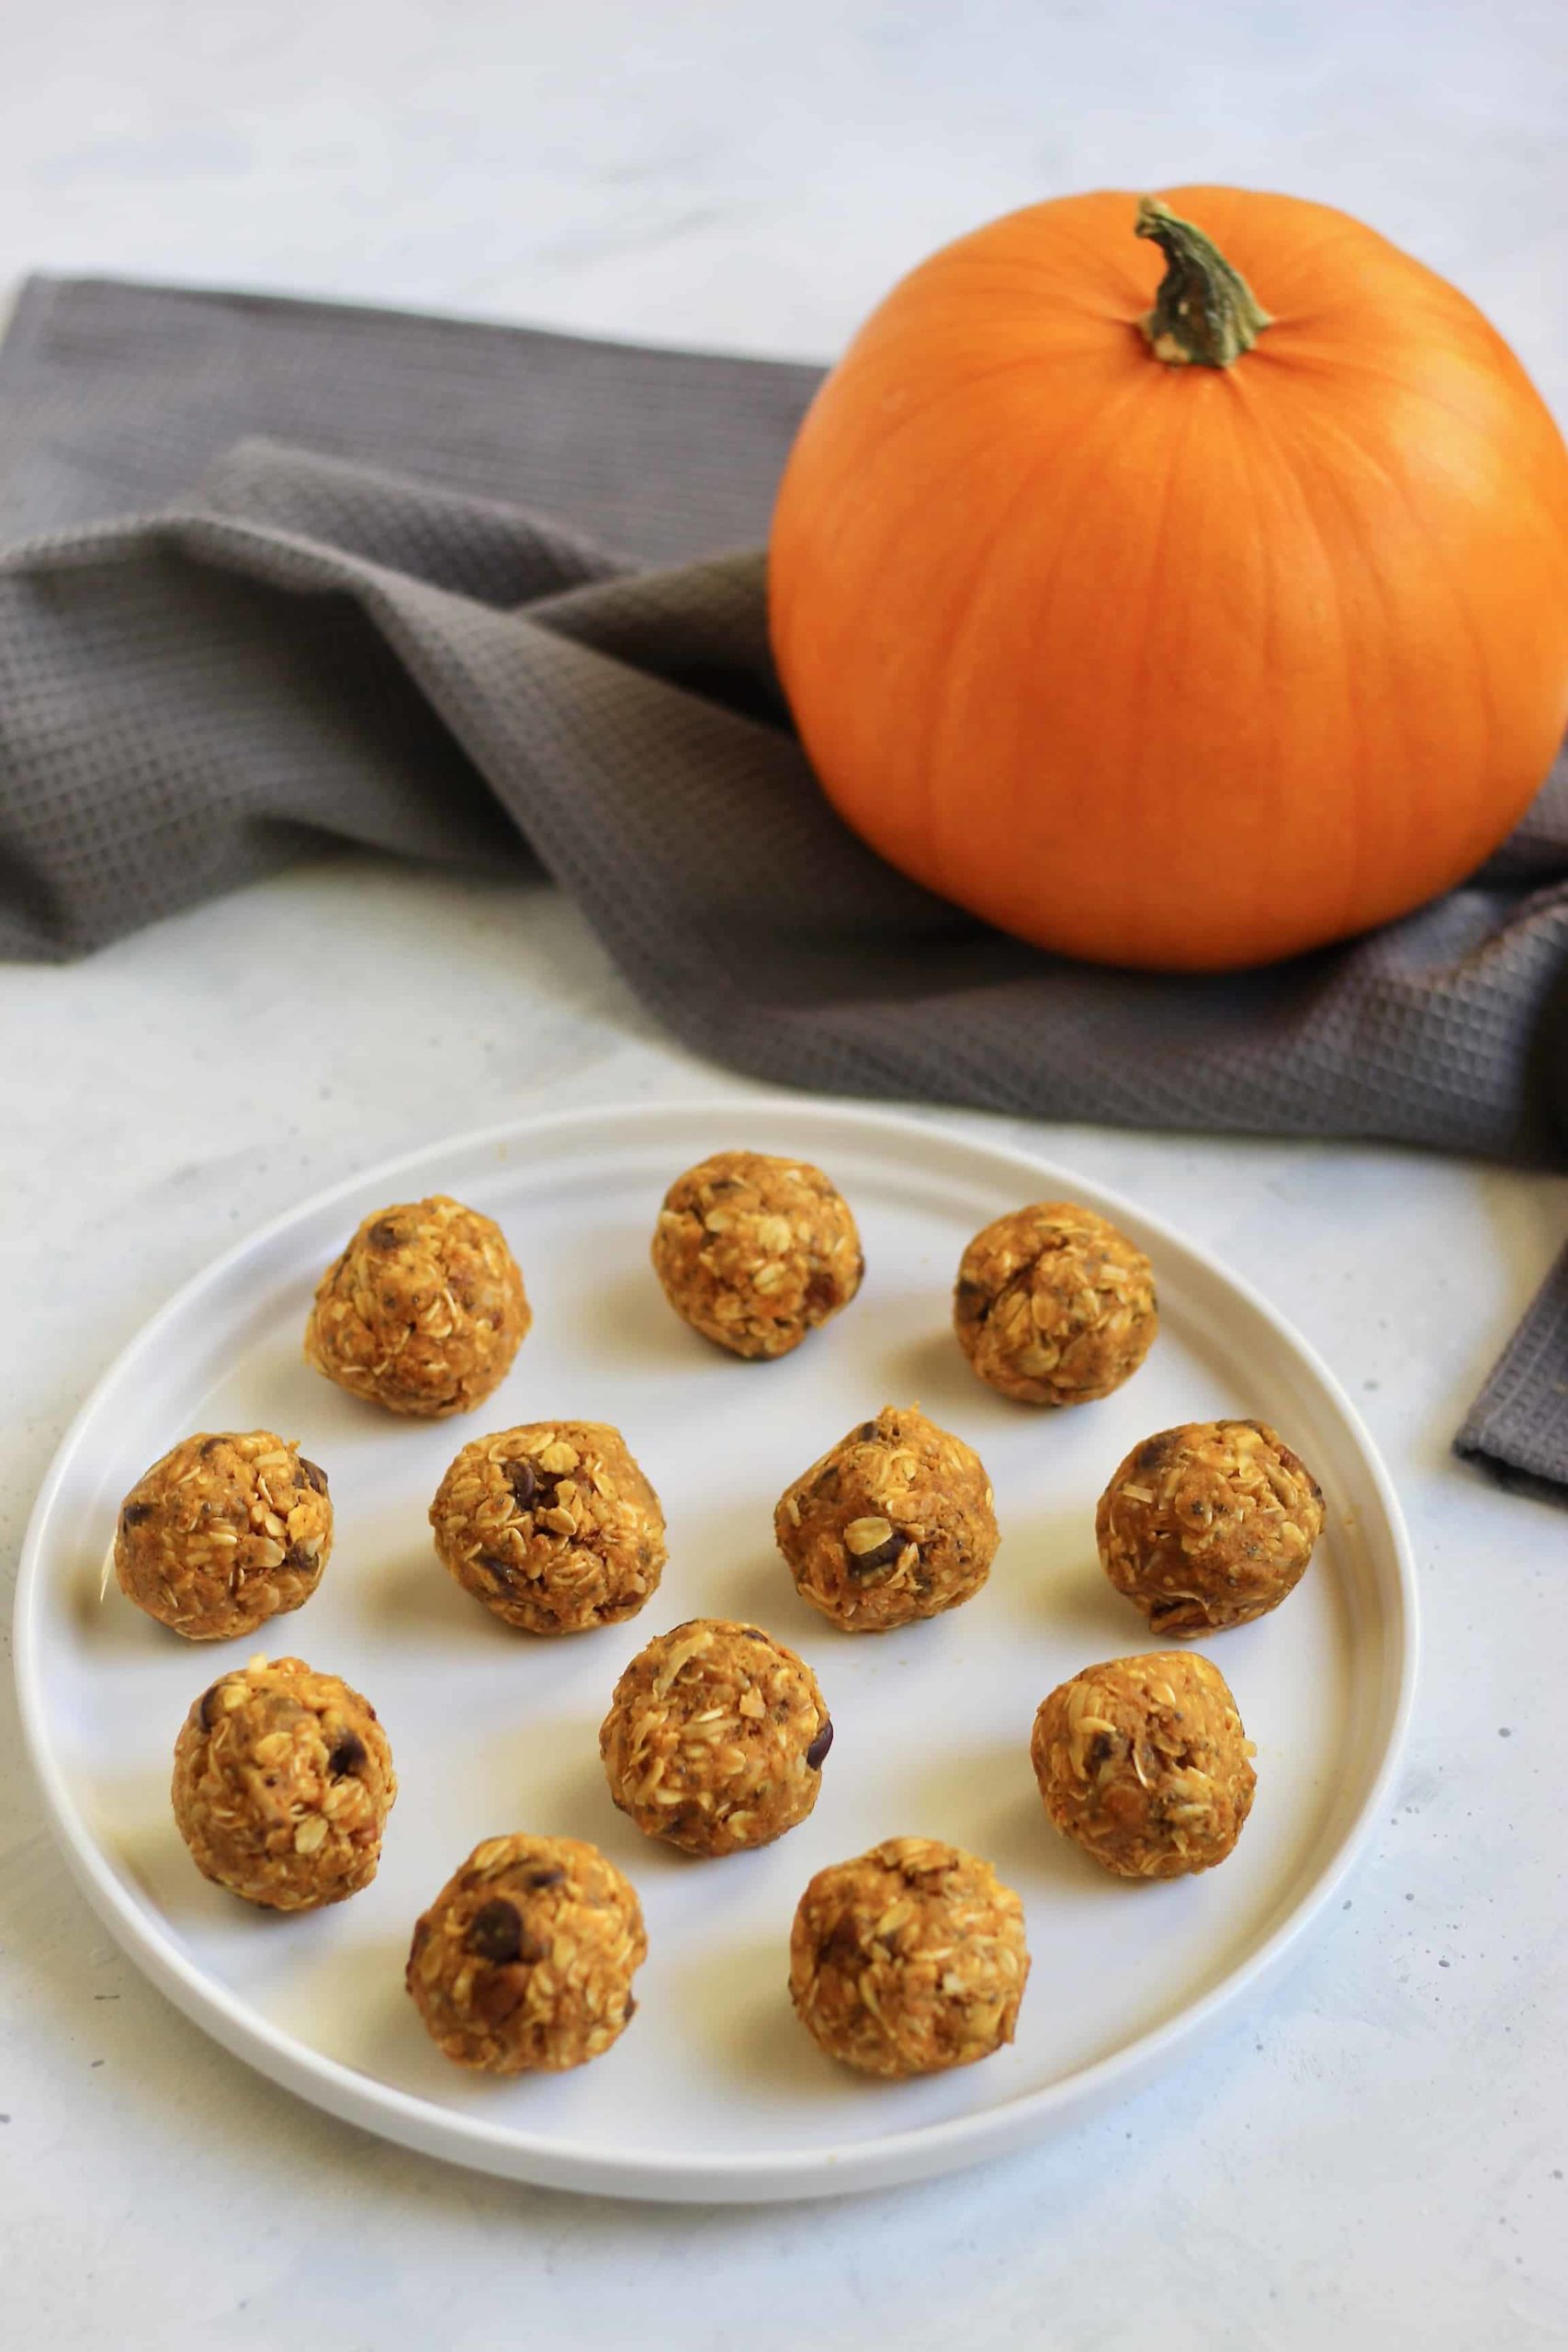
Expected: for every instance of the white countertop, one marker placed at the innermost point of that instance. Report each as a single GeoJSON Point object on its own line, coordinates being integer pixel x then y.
{"type": "Point", "coordinates": [1379, 2151]}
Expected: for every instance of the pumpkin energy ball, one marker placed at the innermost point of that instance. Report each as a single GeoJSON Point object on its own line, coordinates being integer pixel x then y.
{"type": "Point", "coordinates": [753, 1252]}
{"type": "Point", "coordinates": [1209, 1526]}
{"type": "Point", "coordinates": [523, 1962]}
{"type": "Point", "coordinates": [552, 1526]}
{"type": "Point", "coordinates": [225, 1533]}
{"type": "Point", "coordinates": [423, 1312]}
{"type": "Point", "coordinates": [283, 1782]}
{"type": "Point", "coordinates": [909, 1960]}
{"type": "Point", "coordinates": [895, 1522]}
{"type": "Point", "coordinates": [716, 1737]}
{"type": "Point", "coordinates": [1054, 1306]}
{"type": "Point", "coordinates": [1143, 1763]}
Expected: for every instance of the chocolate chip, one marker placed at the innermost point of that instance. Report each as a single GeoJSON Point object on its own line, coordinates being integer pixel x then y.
{"type": "Point", "coordinates": [1101, 1747]}
{"type": "Point", "coordinates": [493, 1564]}
{"type": "Point", "coordinates": [204, 1712]}
{"type": "Point", "coordinates": [347, 1756]}
{"type": "Point", "coordinates": [134, 1514]}
{"type": "Point", "coordinates": [816, 1754]}
{"type": "Point", "coordinates": [496, 1933]}
{"type": "Point", "coordinates": [546, 1877]}
{"type": "Point", "coordinates": [630, 2010]}
{"type": "Point", "coordinates": [315, 1475]}
{"type": "Point", "coordinates": [755, 1633]}
{"type": "Point", "coordinates": [523, 1482]}
{"type": "Point", "coordinates": [821, 1295]}
{"type": "Point", "coordinates": [297, 1557]}
{"type": "Point", "coordinates": [383, 1234]}
{"type": "Point", "coordinates": [867, 1431]}
{"type": "Point", "coordinates": [208, 1447]}
{"type": "Point", "coordinates": [865, 1563]}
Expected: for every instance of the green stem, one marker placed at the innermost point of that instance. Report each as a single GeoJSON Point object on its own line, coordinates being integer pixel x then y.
{"type": "Point", "coordinates": [1205, 314]}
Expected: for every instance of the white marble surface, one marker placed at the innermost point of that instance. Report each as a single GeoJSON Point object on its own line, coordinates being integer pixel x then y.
{"type": "Point", "coordinates": [1378, 2154]}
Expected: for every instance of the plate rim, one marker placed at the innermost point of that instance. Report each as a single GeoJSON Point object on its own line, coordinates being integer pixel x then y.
{"type": "Point", "coordinates": [481, 2144]}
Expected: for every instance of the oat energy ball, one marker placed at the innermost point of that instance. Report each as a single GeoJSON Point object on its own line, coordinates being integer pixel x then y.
{"type": "Point", "coordinates": [1054, 1306]}
{"type": "Point", "coordinates": [753, 1253]}
{"type": "Point", "coordinates": [422, 1312]}
{"type": "Point", "coordinates": [716, 1737]}
{"type": "Point", "coordinates": [895, 1522]}
{"type": "Point", "coordinates": [1209, 1526]}
{"type": "Point", "coordinates": [552, 1526]}
{"type": "Point", "coordinates": [523, 1962]}
{"type": "Point", "coordinates": [909, 1960]}
{"type": "Point", "coordinates": [225, 1533]}
{"type": "Point", "coordinates": [1143, 1763]}
{"type": "Point", "coordinates": [283, 1782]}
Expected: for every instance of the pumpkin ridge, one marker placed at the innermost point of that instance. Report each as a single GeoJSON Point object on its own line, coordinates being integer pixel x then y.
{"type": "Point", "coordinates": [1143, 788]}
{"type": "Point", "coordinates": [1354, 896]}
{"type": "Point", "coordinates": [1246, 419]}
{"type": "Point", "coordinates": [1357, 914]}
{"type": "Point", "coordinates": [1092, 428]}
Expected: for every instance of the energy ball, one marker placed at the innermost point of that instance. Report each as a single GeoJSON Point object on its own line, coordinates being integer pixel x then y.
{"type": "Point", "coordinates": [895, 1522]}
{"type": "Point", "coordinates": [283, 1782]}
{"type": "Point", "coordinates": [753, 1253]}
{"type": "Point", "coordinates": [552, 1526]}
{"type": "Point", "coordinates": [225, 1533]}
{"type": "Point", "coordinates": [716, 1737]}
{"type": "Point", "coordinates": [523, 1962]}
{"type": "Point", "coordinates": [422, 1313]}
{"type": "Point", "coordinates": [909, 1960]}
{"type": "Point", "coordinates": [1209, 1526]}
{"type": "Point", "coordinates": [1054, 1306]}
{"type": "Point", "coordinates": [1143, 1763]}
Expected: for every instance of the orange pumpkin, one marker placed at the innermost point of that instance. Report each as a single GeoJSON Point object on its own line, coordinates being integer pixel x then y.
{"type": "Point", "coordinates": [1160, 628]}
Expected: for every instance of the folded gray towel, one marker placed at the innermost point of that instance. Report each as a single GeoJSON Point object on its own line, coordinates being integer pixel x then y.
{"type": "Point", "coordinates": [479, 613]}
{"type": "Point", "coordinates": [1517, 1427]}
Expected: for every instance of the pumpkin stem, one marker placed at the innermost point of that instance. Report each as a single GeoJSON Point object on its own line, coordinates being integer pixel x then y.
{"type": "Point", "coordinates": [1205, 314]}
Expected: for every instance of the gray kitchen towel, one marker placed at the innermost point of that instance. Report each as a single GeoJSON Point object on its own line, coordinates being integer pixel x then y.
{"type": "Point", "coordinates": [1517, 1427]}
{"type": "Point", "coordinates": [276, 570]}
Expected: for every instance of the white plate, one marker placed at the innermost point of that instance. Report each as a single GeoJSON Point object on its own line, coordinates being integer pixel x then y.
{"type": "Point", "coordinates": [717, 2091]}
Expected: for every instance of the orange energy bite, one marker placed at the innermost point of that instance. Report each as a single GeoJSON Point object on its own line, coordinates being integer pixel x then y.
{"type": "Point", "coordinates": [895, 1523]}
{"type": "Point", "coordinates": [1054, 1306]}
{"type": "Point", "coordinates": [716, 1737]}
{"type": "Point", "coordinates": [754, 1252]}
{"type": "Point", "coordinates": [223, 1534]}
{"type": "Point", "coordinates": [1209, 1526]}
{"type": "Point", "coordinates": [283, 1782]}
{"type": "Point", "coordinates": [1143, 1763]}
{"type": "Point", "coordinates": [553, 1526]}
{"type": "Point", "coordinates": [523, 1962]}
{"type": "Point", "coordinates": [422, 1312]}
{"type": "Point", "coordinates": [909, 1960]}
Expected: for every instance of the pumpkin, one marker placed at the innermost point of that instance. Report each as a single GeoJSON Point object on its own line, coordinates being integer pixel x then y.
{"type": "Point", "coordinates": [1185, 620]}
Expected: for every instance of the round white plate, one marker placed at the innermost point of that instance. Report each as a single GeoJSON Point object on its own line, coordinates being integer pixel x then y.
{"type": "Point", "coordinates": [716, 2091]}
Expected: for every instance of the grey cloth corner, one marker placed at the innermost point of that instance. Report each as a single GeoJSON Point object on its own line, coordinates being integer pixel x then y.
{"type": "Point", "coordinates": [1517, 1427]}
{"type": "Point", "coordinates": [276, 572]}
